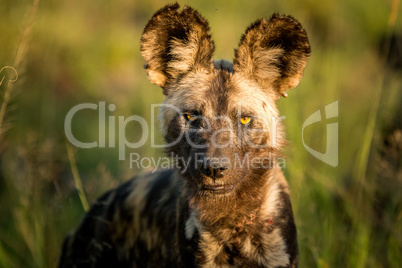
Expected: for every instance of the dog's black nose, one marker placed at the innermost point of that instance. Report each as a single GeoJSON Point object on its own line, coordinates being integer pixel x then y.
{"type": "Point", "coordinates": [214, 168]}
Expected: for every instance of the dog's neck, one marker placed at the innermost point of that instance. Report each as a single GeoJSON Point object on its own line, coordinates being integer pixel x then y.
{"type": "Point", "coordinates": [249, 227]}
{"type": "Point", "coordinates": [246, 211]}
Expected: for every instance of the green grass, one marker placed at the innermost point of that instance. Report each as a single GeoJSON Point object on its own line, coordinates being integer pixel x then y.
{"type": "Point", "coordinates": [73, 52]}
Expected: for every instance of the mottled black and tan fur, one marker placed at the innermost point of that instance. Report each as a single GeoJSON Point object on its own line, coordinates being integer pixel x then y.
{"type": "Point", "coordinates": [209, 213]}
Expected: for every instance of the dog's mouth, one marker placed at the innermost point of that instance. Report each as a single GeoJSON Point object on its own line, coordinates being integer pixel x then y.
{"type": "Point", "coordinates": [217, 188]}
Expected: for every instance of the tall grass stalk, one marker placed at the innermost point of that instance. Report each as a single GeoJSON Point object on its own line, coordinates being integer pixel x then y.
{"type": "Point", "coordinates": [361, 245]}
{"type": "Point", "coordinates": [369, 133]}
{"type": "Point", "coordinates": [76, 175]}
{"type": "Point", "coordinates": [17, 65]}
{"type": "Point", "coordinates": [7, 96]}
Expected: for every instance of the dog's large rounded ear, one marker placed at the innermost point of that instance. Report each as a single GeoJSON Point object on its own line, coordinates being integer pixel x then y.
{"type": "Point", "coordinates": [174, 43]}
{"type": "Point", "coordinates": [273, 53]}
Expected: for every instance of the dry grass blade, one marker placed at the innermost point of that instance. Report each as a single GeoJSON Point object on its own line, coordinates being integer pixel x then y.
{"type": "Point", "coordinates": [76, 175]}
{"type": "Point", "coordinates": [7, 95]}
{"type": "Point", "coordinates": [19, 55]}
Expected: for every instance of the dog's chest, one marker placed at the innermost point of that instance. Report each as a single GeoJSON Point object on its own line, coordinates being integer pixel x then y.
{"type": "Point", "coordinates": [251, 248]}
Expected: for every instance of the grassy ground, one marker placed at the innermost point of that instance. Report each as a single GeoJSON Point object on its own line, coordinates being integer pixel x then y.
{"type": "Point", "coordinates": [72, 52]}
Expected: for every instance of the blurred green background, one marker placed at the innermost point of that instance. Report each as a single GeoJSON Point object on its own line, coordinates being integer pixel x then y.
{"type": "Point", "coordinates": [72, 52]}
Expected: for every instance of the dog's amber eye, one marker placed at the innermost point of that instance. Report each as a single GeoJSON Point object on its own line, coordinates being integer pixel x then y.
{"type": "Point", "coordinates": [245, 120]}
{"type": "Point", "coordinates": [190, 117]}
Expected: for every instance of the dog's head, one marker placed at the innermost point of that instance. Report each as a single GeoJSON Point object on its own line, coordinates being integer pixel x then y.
{"type": "Point", "coordinates": [220, 117]}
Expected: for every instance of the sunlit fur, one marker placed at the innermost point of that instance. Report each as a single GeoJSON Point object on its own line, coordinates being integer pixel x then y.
{"type": "Point", "coordinates": [235, 215]}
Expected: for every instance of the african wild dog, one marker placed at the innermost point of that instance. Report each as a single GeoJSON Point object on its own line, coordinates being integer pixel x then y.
{"type": "Point", "coordinates": [227, 204]}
